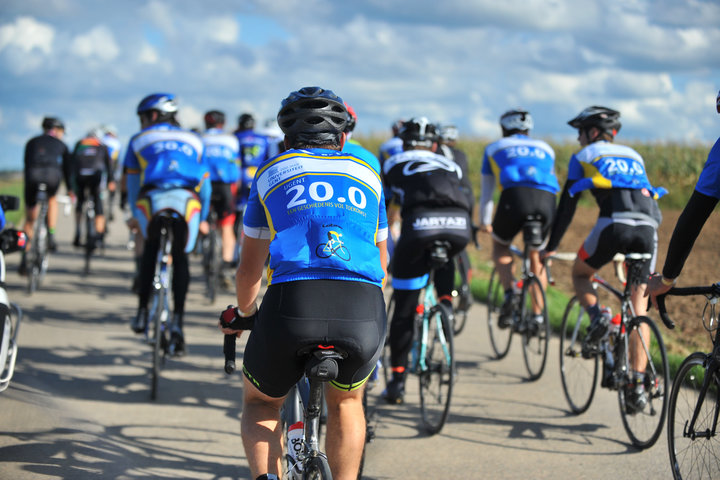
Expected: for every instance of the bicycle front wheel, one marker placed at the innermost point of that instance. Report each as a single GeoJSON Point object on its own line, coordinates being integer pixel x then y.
{"type": "Point", "coordinates": [537, 328]}
{"type": "Point", "coordinates": [317, 468]}
{"type": "Point", "coordinates": [438, 376]}
{"type": "Point", "coordinates": [643, 423]}
{"type": "Point", "coordinates": [578, 369]}
{"type": "Point", "coordinates": [694, 454]}
{"type": "Point", "coordinates": [499, 337]}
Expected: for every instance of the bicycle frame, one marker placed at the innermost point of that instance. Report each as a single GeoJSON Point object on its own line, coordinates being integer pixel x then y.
{"type": "Point", "coordinates": [422, 327]}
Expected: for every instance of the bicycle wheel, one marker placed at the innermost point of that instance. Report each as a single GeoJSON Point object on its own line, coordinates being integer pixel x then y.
{"type": "Point", "coordinates": [89, 236]}
{"type": "Point", "coordinates": [38, 259]}
{"type": "Point", "coordinates": [499, 337]}
{"type": "Point", "coordinates": [578, 371]}
{"type": "Point", "coordinates": [644, 426]}
{"type": "Point", "coordinates": [693, 457]}
{"type": "Point", "coordinates": [436, 380]}
{"type": "Point", "coordinates": [158, 324]}
{"type": "Point", "coordinates": [462, 295]}
{"type": "Point", "coordinates": [317, 468]}
{"type": "Point", "coordinates": [537, 333]}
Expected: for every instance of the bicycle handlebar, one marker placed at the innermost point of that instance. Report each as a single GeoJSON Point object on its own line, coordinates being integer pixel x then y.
{"type": "Point", "coordinates": [229, 351]}
{"type": "Point", "coordinates": [713, 291]}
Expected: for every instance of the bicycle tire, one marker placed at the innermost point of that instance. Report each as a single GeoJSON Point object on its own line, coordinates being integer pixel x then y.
{"type": "Point", "coordinates": [89, 236]}
{"type": "Point", "coordinates": [158, 303]}
{"type": "Point", "coordinates": [578, 373]}
{"type": "Point", "coordinates": [644, 427]}
{"type": "Point", "coordinates": [693, 458]}
{"type": "Point", "coordinates": [317, 468]}
{"type": "Point", "coordinates": [462, 294]}
{"type": "Point", "coordinates": [5, 349]}
{"type": "Point", "coordinates": [536, 337]}
{"type": "Point", "coordinates": [500, 338]}
{"type": "Point", "coordinates": [438, 378]}
{"type": "Point", "coordinates": [38, 259]}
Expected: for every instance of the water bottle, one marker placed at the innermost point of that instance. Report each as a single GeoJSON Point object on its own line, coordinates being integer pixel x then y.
{"type": "Point", "coordinates": [295, 448]}
{"type": "Point", "coordinates": [614, 326]}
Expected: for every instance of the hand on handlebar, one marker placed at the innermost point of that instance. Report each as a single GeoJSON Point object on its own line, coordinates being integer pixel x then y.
{"type": "Point", "coordinates": [231, 322]}
{"type": "Point", "coordinates": [656, 287]}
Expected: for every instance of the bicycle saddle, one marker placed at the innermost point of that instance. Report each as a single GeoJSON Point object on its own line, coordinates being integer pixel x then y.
{"type": "Point", "coordinates": [438, 254]}
{"type": "Point", "coordinates": [322, 362]}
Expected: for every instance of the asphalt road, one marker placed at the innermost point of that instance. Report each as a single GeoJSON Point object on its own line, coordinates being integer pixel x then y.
{"type": "Point", "coordinates": [79, 405]}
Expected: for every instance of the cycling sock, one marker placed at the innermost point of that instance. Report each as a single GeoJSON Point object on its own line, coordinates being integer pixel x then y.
{"type": "Point", "coordinates": [593, 311]}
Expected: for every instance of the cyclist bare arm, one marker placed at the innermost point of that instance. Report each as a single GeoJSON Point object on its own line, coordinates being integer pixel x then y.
{"type": "Point", "coordinates": [249, 273]}
{"type": "Point", "coordinates": [486, 203]}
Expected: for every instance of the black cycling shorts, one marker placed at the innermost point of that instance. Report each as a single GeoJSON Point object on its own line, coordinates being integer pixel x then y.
{"type": "Point", "coordinates": [34, 177]}
{"type": "Point", "coordinates": [516, 204]}
{"type": "Point", "coordinates": [295, 315]}
{"type": "Point", "coordinates": [420, 229]}
{"type": "Point", "coordinates": [91, 184]}
{"type": "Point", "coordinates": [223, 199]}
{"type": "Point", "coordinates": [611, 236]}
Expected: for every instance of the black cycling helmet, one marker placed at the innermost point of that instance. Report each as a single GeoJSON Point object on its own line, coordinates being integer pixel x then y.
{"type": "Point", "coordinates": [213, 118]}
{"type": "Point", "coordinates": [313, 114]}
{"type": "Point", "coordinates": [165, 103]}
{"type": "Point", "coordinates": [517, 119]}
{"type": "Point", "coordinates": [49, 123]}
{"type": "Point", "coordinates": [418, 132]}
{"type": "Point", "coordinates": [246, 122]}
{"type": "Point", "coordinates": [603, 118]}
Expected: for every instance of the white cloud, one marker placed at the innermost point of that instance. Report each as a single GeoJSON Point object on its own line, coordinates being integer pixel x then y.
{"type": "Point", "coordinates": [148, 54]}
{"type": "Point", "coordinates": [222, 29]}
{"type": "Point", "coordinates": [97, 43]}
{"type": "Point", "coordinates": [27, 35]}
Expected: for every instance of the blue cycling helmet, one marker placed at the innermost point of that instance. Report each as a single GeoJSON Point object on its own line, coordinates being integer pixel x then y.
{"type": "Point", "coordinates": [517, 119]}
{"type": "Point", "coordinates": [164, 103]}
{"type": "Point", "coordinates": [313, 113]}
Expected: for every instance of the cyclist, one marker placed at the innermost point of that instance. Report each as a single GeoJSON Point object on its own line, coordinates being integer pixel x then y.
{"type": "Point", "coordinates": [523, 169]}
{"type": "Point", "coordinates": [47, 160]}
{"type": "Point", "coordinates": [311, 299]}
{"type": "Point", "coordinates": [110, 140]}
{"type": "Point", "coordinates": [165, 171]}
{"type": "Point", "coordinates": [628, 222]}
{"type": "Point", "coordinates": [691, 221]}
{"type": "Point", "coordinates": [433, 206]}
{"type": "Point", "coordinates": [222, 152]}
{"type": "Point", "coordinates": [92, 170]}
{"type": "Point", "coordinates": [353, 146]}
{"type": "Point", "coordinates": [255, 148]}
{"type": "Point", "coordinates": [393, 145]}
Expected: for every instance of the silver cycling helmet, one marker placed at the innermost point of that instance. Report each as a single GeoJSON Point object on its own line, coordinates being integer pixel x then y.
{"type": "Point", "coordinates": [517, 119]}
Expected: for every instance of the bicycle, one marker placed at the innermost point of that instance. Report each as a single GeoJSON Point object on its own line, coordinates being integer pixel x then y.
{"type": "Point", "coordinates": [38, 259]}
{"type": "Point", "coordinates": [212, 257]}
{"type": "Point", "coordinates": [159, 311]}
{"type": "Point", "coordinates": [432, 356]}
{"type": "Point", "coordinates": [695, 397]}
{"type": "Point", "coordinates": [11, 240]}
{"type": "Point", "coordinates": [90, 232]}
{"type": "Point", "coordinates": [462, 295]}
{"type": "Point", "coordinates": [303, 407]}
{"type": "Point", "coordinates": [534, 327]}
{"type": "Point", "coordinates": [579, 359]}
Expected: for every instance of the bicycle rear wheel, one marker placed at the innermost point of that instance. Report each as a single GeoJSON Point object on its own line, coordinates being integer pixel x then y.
{"type": "Point", "coordinates": [693, 457]}
{"type": "Point", "coordinates": [89, 236]}
{"type": "Point", "coordinates": [537, 333]}
{"type": "Point", "coordinates": [158, 318]}
{"type": "Point", "coordinates": [462, 295]}
{"type": "Point", "coordinates": [437, 379]}
{"type": "Point", "coordinates": [578, 370]}
{"type": "Point", "coordinates": [38, 261]}
{"type": "Point", "coordinates": [499, 337]}
{"type": "Point", "coordinates": [643, 426]}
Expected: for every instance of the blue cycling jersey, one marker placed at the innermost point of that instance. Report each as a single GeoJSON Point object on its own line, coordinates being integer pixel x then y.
{"type": "Point", "coordinates": [709, 181]}
{"type": "Point", "coordinates": [354, 148]}
{"type": "Point", "coordinates": [521, 161]}
{"type": "Point", "coordinates": [254, 150]}
{"type": "Point", "coordinates": [2, 218]}
{"type": "Point", "coordinates": [165, 156]}
{"type": "Point", "coordinates": [389, 148]}
{"type": "Point", "coordinates": [606, 165]}
{"type": "Point", "coordinates": [323, 211]}
{"type": "Point", "coordinates": [222, 154]}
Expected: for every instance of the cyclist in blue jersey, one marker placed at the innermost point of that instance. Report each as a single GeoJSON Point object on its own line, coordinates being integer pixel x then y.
{"type": "Point", "coordinates": [393, 145]}
{"type": "Point", "coordinates": [701, 204]}
{"type": "Point", "coordinates": [222, 155]}
{"type": "Point", "coordinates": [433, 207]}
{"type": "Point", "coordinates": [320, 214]}
{"type": "Point", "coordinates": [353, 146]}
{"type": "Point", "coordinates": [110, 140]}
{"type": "Point", "coordinates": [166, 172]}
{"type": "Point", "coordinates": [523, 169]}
{"type": "Point", "coordinates": [255, 148]}
{"type": "Point", "coordinates": [628, 221]}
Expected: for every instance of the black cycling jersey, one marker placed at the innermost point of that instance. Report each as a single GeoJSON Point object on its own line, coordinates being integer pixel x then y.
{"type": "Point", "coordinates": [688, 227]}
{"type": "Point", "coordinates": [459, 157]}
{"type": "Point", "coordinates": [47, 158]}
{"type": "Point", "coordinates": [91, 156]}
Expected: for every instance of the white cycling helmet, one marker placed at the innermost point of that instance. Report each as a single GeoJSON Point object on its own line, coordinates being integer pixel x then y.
{"type": "Point", "coordinates": [517, 119]}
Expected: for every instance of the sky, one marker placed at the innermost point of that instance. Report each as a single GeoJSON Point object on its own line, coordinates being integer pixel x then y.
{"type": "Point", "coordinates": [461, 62]}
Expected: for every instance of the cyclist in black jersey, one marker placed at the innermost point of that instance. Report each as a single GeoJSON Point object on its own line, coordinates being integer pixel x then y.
{"type": "Point", "coordinates": [701, 204]}
{"type": "Point", "coordinates": [320, 214]}
{"type": "Point", "coordinates": [434, 206]}
{"type": "Point", "coordinates": [47, 161]}
{"type": "Point", "coordinates": [92, 171]}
